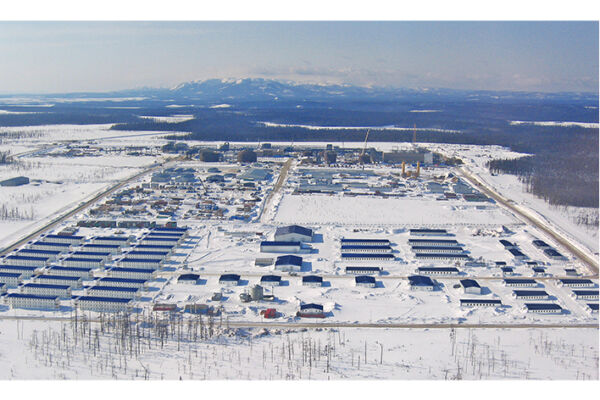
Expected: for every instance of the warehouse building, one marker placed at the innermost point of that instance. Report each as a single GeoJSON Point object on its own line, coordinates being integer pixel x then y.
{"type": "Point", "coordinates": [51, 254]}
{"type": "Point", "coordinates": [43, 289]}
{"type": "Point", "coordinates": [104, 255]}
{"type": "Point", "coordinates": [120, 241]}
{"type": "Point", "coordinates": [312, 281]}
{"type": "Point", "coordinates": [189, 279]}
{"type": "Point", "coordinates": [554, 255]}
{"type": "Point", "coordinates": [114, 291]}
{"type": "Point", "coordinates": [288, 263]}
{"type": "Point", "coordinates": [311, 310]}
{"type": "Point", "coordinates": [530, 295]}
{"type": "Point", "coordinates": [543, 308]}
{"type": "Point", "coordinates": [72, 281]}
{"type": "Point", "coordinates": [365, 281]}
{"type": "Point", "coordinates": [514, 282]}
{"type": "Point", "coordinates": [507, 245]}
{"type": "Point", "coordinates": [470, 286]}
{"type": "Point", "coordinates": [437, 249]}
{"type": "Point", "coordinates": [437, 271]}
{"type": "Point", "coordinates": [421, 283]}
{"type": "Point", "coordinates": [356, 270]}
{"type": "Point", "coordinates": [157, 235]}
{"type": "Point", "coordinates": [161, 241]}
{"type": "Point", "coordinates": [480, 303]}
{"type": "Point", "coordinates": [104, 304]}
{"type": "Point", "coordinates": [82, 272]}
{"type": "Point", "coordinates": [180, 230]}
{"type": "Point", "coordinates": [70, 239]}
{"type": "Point", "coordinates": [540, 244]}
{"type": "Point", "coordinates": [108, 248]}
{"type": "Point", "coordinates": [518, 254]}
{"type": "Point", "coordinates": [154, 247]}
{"type": "Point", "coordinates": [585, 294]}
{"type": "Point", "coordinates": [280, 247]}
{"type": "Point", "coordinates": [32, 301]}
{"type": "Point", "coordinates": [83, 262]}
{"type": "Point", "coordinates": [26, 261]}
{"type": "Point", "coordinates": [575, 283]}
{"type": "Point", "coordinates": [433, 242]}
{"type": "Point", "coordinates": [365, 242]}
{"type": "Point", "coordinates": [46, 245]}
{"type": "Point", "coordinates": [143, 263]}
{"type": "Point", "coordinates": [366, 249]}
{"type": "Point", "coordinates": [132, 273]}
{"type": "Point", "coordinates": [10, 279]}
{"type": "Point", "coordinates": [121, 282]}
{"type": "Point", "coordinates": [270, 280]}
{"type": "Point", "coordinates": [229, 279]}
{"type": "Point", "coordinates": [293, 233]}
{"type": "Point", "coordinates": [428, 232]}
{"type": "Point", "coordinates": [24, 272]}
{"type": "Point", "coordinates": [156, 255]}
{"type": "Point", "coordinates": [367, 257]}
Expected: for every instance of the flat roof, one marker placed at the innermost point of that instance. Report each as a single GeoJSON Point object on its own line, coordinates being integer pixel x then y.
{"type": "Point", "coordinates": [114, 288]}
{"type": "Point", "coordinates": [543, 306]}
{"type": "Point", "coordinates": [104, 299]}
{"type": "Point", "coordinates": [31, 296]}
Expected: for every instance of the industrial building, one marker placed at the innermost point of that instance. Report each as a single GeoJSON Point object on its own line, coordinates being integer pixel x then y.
{"type": "Point", "coordinates": [83, 262]}
{"type": "Point", "coordinates": [428, 232]}
{"type": "Point", "coordinates": [104, 304]}
{"type": "Point", "coordinates": [507, 271]}
{"type": "Point", "coordinates": [45, 245]}
{"type": "Point", "coordinates": [480, 303]}
{"type": "Point", "coordinates": [160, 241]}
{"type": "Point", "coordinates": [575, 283]}
{"type": "Point", "coordinates": [156, 255]}
{"type": "Point", "coordinates": [280, 247]}
{"type": "Point", "coordinates": [515, 282]}
{"type": "Point", "coordinates": [592, 308]}
{"type": "Point", "coordinates": [417, 282]}
{"type": "Point", "coordinates": [433, 242]}
{"type": "Point", "coordinates": [142, 263]}
{"type": "Point", "coordinates": [311, 310]}
{"type": "Point", "coordinates": [365, 281]}
{"type": "Point", "coordinates": [112, 240]}
{"type": "Point", "coordinates": [26, 261]}
{"type": "Point", "coordinates": [114, 291]}
{"type": "Point", "coordinates": [366, 249]}
{"type": "Point", "coordinates": [437, 249]}
{"type": "Point", "coordinates": [104, 255]}
{"type": "Point", "coordinates": [585, 294]}
{"type": "Point", "coordinates": [293, 233]}
{"type": "Point", "coordinates": [121, 282]}
{"type": "Point", "coordinates": [154, 247]}
{"type": "Point", "coordinates": [10, 279]}
{"type": "Point", "coordinates": [312, 281]}
{"type": "Point", "coordinates": [288, 263]}
{"type": "Point", "coordinates": [24, 272]}
{"type": "Point", "coordinates": [437, 271]}
{"type": "Point", "coordinates": [543, 308]}
{"type": "Point", "coordinates": [530, 294]}
{"type": "Point", "coordinates": [229, 279]}
{"type": "Point", "coordinates": [263, 262]}
{"type": "Point", "coordinates": [367, 257]}
{"type": "Point", "coordinates": [70, 239]}
{"type": "Point", "coordinates": [470, 286]}
{"type": "Point", "coordinates": [104, 248]}
{"type": "Point", "coordinates": [51, 254]}
{"type": "Point", "coordinates": [132, 273]}
{"type": "Point", "coordinates": [270, 280]}
{"type": "Point", "coordinates": [356, 270]}
{"type": "Point", "coordinates": [441, 256]}
{"type": "Point", "coordinates": [42, 289]}
{"type": "Point", "coordinates": [72, 281]}
{"type": "Point", "coordinates": [190, 279]}
{"type": "Point", "coordinates": [32, 301]}
{"type": "Point", "coordinates": [82, 272]}
{"type": "Point", "coordinates": [365, 242]}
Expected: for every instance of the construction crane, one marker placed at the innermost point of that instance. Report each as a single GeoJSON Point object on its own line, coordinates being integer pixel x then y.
{"type": "Point", "coordinates": [365, 145]}
{"type": "Point", "coordinates": [414, 134]}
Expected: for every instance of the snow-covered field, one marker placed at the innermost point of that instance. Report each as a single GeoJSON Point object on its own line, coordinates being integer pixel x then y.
{"type": "Point", "coordinates": [28, 352]}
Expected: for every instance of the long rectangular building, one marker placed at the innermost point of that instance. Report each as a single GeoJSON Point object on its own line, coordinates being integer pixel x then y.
{"type": "Point", "coordinates": [160, 241]}
{"type": "Point", "coordinates": [32, 301]}
{"type": "Point", "coordinates": [585, 294]}
{"type": "Point", "coordinates": [157, 255]}
{"type": "Point", "coordinates": [530, 294]}
{"type": "Point", "coordinates": [154, 247]}
{"type": "Point", "coordinates": [120, 241]}
{"type": "Point", "coordinates": [437, 249]}
{"type": "Point", "coordinates": [367, 257]}
{"type": "Point", "coordinates": [104, 304]}
{"type": "Point", "coordinates": [144, 263]}
{"type": "Point", "coordinates": [575, 283]}
{"type": "Point", "coordinates": [121, 282]}
{"type": "Point", "coordinates": [110, 248]}
{"type": "Point", "coordinates": [438, 271]}
{"type": "Point", "coordinates": [357, 270]}
{"type": "Point", "coordinates": [543, 308]}
{"type": "Point", "coordinates": [42, 289]}
{"type": "Point", "coordinates": [27, 261]}
{"type": "Point", "coordinates": [516, 282]}
{"type": "Point", "coordinates": [104, 255]}
{"type": "Point", "coordinates": [280, 247]}
{"type": "Point", "coordinates": [433, 242]}
{"type": "Point", "coordinates": [82, 272]}
{"type": "Point", "coordinates": [480, 303]}
{"type": "Point", "coordinates": [72, 281]}
{"type": "Point", "coordinates": [114, 291]}
{"type": "Point", "coordinates": [51, 254]}
{"type": "Point", "coordinates": [47, 245]}
{"type": "Point", "coordinates": [441, 256]}
{"type": "Point", "coordinates": [365, 242]}
{"type": "Point", "coordinates": [24, 271]}
{"type": "Point", "coordinates": [83, 262]}
{"type": "Point", "coordinates": [366, 249]}
{"type": "Point", "coordinates": [10, 279]}
{"type": "Point", "coordinates": [428, 232]}
{"type": "Point", "coordinates": [70, 239]}
{"type": "Point", "coordinates": [132, 273]}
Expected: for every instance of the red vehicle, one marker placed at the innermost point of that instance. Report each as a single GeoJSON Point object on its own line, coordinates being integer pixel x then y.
{"type": "Point", "coordinates": [269, 313]}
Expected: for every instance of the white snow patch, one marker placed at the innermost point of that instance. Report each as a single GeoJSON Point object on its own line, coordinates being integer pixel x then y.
{"type": "Point", "coordinates": [591, 125]}
{"type": "Point", "coordinates": [173, 119]}
{"type": "Point", "coordinates": [221, 106]}
{"type": "Point", "coordinates": [354, 128]}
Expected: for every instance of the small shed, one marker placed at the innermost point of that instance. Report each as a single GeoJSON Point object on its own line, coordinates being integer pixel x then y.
{"type": "Point", "coordinates": [470, 286]}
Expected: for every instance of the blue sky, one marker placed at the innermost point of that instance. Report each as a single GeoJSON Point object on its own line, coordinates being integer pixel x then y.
{"type": "Point", "coordinates": [42, 57]}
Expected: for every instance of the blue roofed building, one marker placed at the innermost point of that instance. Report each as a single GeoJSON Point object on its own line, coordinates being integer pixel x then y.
{"type": "Point", "coordinates": [293, 233]}
{"type": "Point", "coordinates": [288, 263]}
